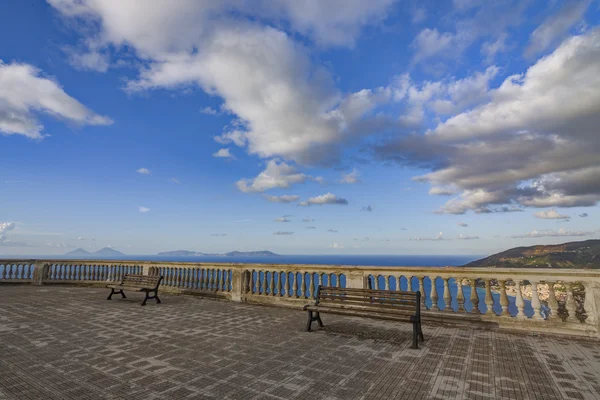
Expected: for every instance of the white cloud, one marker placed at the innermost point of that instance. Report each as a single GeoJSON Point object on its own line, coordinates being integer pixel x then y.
{"type": "Point", "coordinates": [328, 198]}
{"type": "Point", "coordinates": [351, 177]}
{"type": "Point", "coordinates": [143, 171]}
{"type": "Point", "coordinates": [332, 230]}
{"type": "Point", "coordinates": [439, 236]}
{"type": "Point", "coordinates": [143, 209]}
{"type": "Point", "coordinates": [441, 191]}
{"type": "Point", "coordinates": [308, 219]}
{"type": "Point", "coordinates": [276, 175]}
{"type": "Point", "coordinates": [556, 27]}
{"type": "Point", "coordinates": [218, 234]}
{"type": "Point", "coordinates": [465, 237]}
{"type": "Point", "coordinates": [280, 233]}
{"type": "Point", "coordinates": [550, 214]}
{"type": "Point", "coordinates": [419, 15]}
{"type": "Point", "coordinates": [90, 60]}
{"type": "Point", "coordinates": [209, 111]}
{"type": "Point", "coordinates": [533, 144]}
{"type": "Point", "coordinates": [430, 42]}
{"type": "Point", "coordinates": [311, 227]}
{"type": "Point", "coordinates": [4, 228]}
{"type": "Point", "coordinates": [175, 180]}
{"type": "Point", "coordinates": [491, 49]}
{"type": "Point", "coordinates": [282, 199]}
{"type": "Point", "coordinates": [224, 153]}
{"type": "Point", "coordinates": [24, 92]}
{"type": "Point", "coordinates": [336, 245]}
{"type": "Point", "coordinates": [550, 233]}
{"type": "Point", "coordinates": [464, 225]}
{"type": "Point", "coordinates": [583, 215]}
{"type": "Point", "coordinates": [281, 219]}
{"type": "Point", "coordinates": [80, 238]}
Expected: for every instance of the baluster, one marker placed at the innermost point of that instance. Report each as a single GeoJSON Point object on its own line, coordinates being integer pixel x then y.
{"type": "Point", "coordinates": [10, 271]}
{"type": "Point", "coordinates": [251, 282]}
{"type": "Point", "coordinates": [197, 278]}
{"type": "Point", "coordinates": [570, 304]}
{"type": "Point", "coordinates": [221, 275]}
{"type": "Point", "coordinates": [227, 280]}
{"type": "Point", "coordinates": [474, 297]}
{"type": "Point", "coordinates": [338, 280]}
{"type": "Point", "coordinates": [303, 285]}
{"type": "Point", "coordinates": [288, 284]}
{"type": "Point", "coordinates": [408, 283]}
{"type": "Point", "coordinates": [311, 287]}
{"type": "Point", "coordinates": [272, 284]}
{"type": "Point", "coordinates": [460, 296]}
{"type": "Point", "coordinates": [264, 283]}
{"type": "Point", "coordinates": [489, 300]}
{"type": "Point", "coordinates": [295, 285]}
{"type": "Point", "coordinates": [386, 282]}
{"type": "Point", "coordinates": [213, 278]}
{"type": "Point", "coordinates": [279, 277]}
{"type": "Point", "coordinates": [535, 302]}
{"type": "Point", "coordinates": [519, 301]}
{"type": "Point", "coordinates": [503, 298]}
{"type": "Point", "coordinates": [434, 295]}
{"type": "Point", "coordinates": [447, 295]}
{"type": "Point", "coordinates": [3, 272]}
{"type": "Point", "coordinates": [552, 302]}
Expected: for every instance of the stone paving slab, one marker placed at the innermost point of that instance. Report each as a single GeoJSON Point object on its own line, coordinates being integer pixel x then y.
{"type": "Point", "coordinates": [61, 342]}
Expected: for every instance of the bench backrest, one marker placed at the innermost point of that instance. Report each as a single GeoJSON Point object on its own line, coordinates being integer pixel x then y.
{"type": "Point", "coordinates": [146, 281]}
{"type": "Point", "coordinates": [370, 299]}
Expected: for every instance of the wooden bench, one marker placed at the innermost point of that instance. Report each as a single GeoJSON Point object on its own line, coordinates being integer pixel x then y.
{"type": "Point", "coordinates": [138, 283]}
{"type": "Point", "coordinates": [381, 304]}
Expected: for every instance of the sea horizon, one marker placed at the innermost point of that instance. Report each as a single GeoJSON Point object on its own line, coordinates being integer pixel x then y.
{"type": "Point", "coordinates": [377, 260]}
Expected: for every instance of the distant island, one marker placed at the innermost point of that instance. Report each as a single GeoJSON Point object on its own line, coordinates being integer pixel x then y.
{"type": "Point", "coordinates": [584, 254]}
{"type": "Point", "coordinates": [186, 253]}
{"type": "Point", "coordinates": [106, 252]}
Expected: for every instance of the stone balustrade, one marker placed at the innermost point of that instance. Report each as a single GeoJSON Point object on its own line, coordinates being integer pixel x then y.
{"type": "Point", "coordinates": [538, 300]}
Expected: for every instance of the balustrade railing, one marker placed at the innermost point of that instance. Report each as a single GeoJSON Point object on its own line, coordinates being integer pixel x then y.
{"type": "Point", "coordinates": [553, 300]}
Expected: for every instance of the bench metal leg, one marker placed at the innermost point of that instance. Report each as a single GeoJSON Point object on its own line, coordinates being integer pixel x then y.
{"type": "Point", "coordinates": [146, 298]}
{"type": "Point", "coordinates": [415, 340]}
{"type": "Point", "coordinates": [309, 322]}
{"type": "Point", "coordinates": [319, 320]}
{"type": "Point", "coordinates": [421, 333]}
{"type": "Point", "coordinates": [156, 296]}
{"type": "Point", "coordinates": [112, 291]}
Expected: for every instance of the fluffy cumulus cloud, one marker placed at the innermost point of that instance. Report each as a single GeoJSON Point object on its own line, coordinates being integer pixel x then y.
{"type": "Point", "coordinates": [556, 26]}
{"type": "Point", "coordinates": [551, 214]}
{"type": "Point", "coordinates": [285, 105]}
{"type": "Point", "coordinates": [336, 245]}
{"type": "Point", "coordinates": [143, 171]}
{"type": "Point", "coordinates": [25, 92]}
{"type": "Point", "coordinates": [286, 198]}
{"type": "Point", "coordinates": [282, 233]}
{"type": "Point", "coordinates": [224, 153]}
{"type": "Point", "coordinates": [143, 209]}
{"type": "Point", "coordinates": [462, 224]}
{"type": "Point", "coordinates": [5, 227]}
{"type": "Point", "coordinates": [276, 175]}
{"type": "Point", "coordinates": [551, 233]}
{"type": "Point", "coordinates": [281, 219]}
{"type": "Point", "coordinates": [534, 143]}
{"type": "Point", "coordinates": [351, 177]}
{"type": "Point", "coordinates": [465, 237]}
{"type": "Point", "coordinates": [328, 198]}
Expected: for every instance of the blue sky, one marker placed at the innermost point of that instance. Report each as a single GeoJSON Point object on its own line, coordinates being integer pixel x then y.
{"type": "Point", "coordinates": [305, 127]}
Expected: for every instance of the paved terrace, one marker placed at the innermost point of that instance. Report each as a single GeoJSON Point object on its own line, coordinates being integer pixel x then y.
{"type": "Point", "coordinates": [70, 343]}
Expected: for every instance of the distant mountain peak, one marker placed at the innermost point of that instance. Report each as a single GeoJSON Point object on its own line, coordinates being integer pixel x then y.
{"type": "Point", "coordinates": [104, 252]}
{"type": "Point", "coordinates": [187, 253]}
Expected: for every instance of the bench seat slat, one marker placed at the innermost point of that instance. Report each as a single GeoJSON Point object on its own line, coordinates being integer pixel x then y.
{"type": "Point", "coordinates": [362, 313]}
{"type": "Point", "coordinates": [365, 307]}
{"type": "Point", "coordinates": [368, 298]}
{"type": "Point", "coordinates": [370, 291]}
{"type": "Point", "coordinates": [375, 305]}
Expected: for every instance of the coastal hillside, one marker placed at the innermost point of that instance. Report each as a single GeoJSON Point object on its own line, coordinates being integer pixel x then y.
{"type": "Point", "coordinates": [584, 254]}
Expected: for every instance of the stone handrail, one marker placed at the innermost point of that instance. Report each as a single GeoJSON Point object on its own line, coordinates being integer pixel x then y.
{"type": "Point", "coordinates": [541, 300]}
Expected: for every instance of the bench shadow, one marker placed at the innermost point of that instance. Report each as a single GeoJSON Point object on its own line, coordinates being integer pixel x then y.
{"type": "Point", "coordinates": [364, 331]}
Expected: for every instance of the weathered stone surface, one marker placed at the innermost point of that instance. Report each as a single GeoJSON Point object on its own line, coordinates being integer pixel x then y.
{"type": "Point", "coordinates": [64, 342]}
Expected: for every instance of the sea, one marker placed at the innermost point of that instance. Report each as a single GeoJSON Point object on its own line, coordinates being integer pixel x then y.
{"type": "Point", "coordinates": [366, 260]}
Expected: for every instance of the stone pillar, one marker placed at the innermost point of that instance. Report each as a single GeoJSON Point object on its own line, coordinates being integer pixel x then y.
{"type": "Point", "coordinates": [473, 297]}
{"type": "Point", "coordinates": [447, 295]}
{"type": "Point", "coordinates": [356, 280]}
{"type": "Point", "coordinates": [570, 304]}
{"type": "Point", "coordinates": [237, 284]}
{"type": "Point", "coordinates": [39, 273]}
